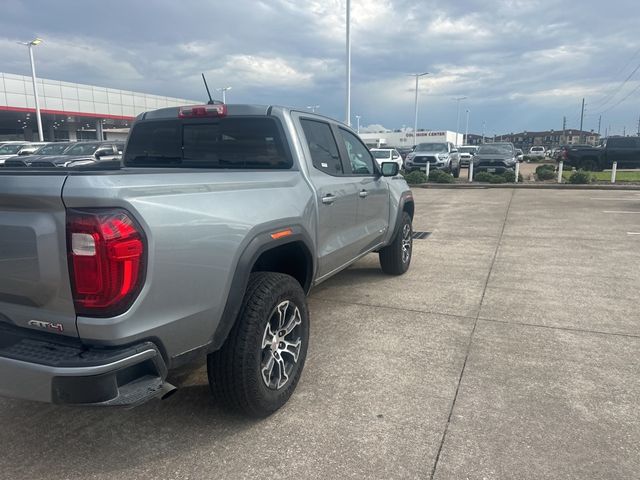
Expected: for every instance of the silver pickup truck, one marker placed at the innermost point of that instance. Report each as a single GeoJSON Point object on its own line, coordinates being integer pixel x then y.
{"type": "Point", "coordinates": [201, 247]}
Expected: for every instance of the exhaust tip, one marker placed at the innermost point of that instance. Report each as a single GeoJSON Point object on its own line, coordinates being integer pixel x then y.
{"type": "Point", "coordinates": [166, 391]}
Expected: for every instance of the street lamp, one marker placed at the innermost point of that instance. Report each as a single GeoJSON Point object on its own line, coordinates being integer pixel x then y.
{"type": "Point", "coordinates": [224, 91]}
{"type": "Point", "coordinates": [313, 108]}
{"type": "Point", "coordinates": [465, 140]}
{"type": "Point", "coordinates": [348, 99]}
{"type": "Point", "coordinates": [358, 117]}
{"type": "Point", "coordinates": [457, 99]}
{"type": "Point", "coordinates": [31, 44]}
{"type": "Point", "coordinates": [415, 108]}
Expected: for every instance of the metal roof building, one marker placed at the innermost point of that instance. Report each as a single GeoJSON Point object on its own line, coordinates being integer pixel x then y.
{"type": "Point", "coordinates": [70, 111]}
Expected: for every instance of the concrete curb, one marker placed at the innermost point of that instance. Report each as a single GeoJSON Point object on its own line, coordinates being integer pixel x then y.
{"type": "Point", "coordinates": [542, 186]}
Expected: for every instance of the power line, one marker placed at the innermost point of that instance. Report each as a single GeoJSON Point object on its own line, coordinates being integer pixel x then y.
{"type": "Point", "coordinates": [622, 99]}
{"type": "Point", "coordinates": [610, 97]}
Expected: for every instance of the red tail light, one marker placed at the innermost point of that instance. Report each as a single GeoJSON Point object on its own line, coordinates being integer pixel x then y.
{"type": "Point", "coordinates": [107, 260]}
{"type": "Point", "coordinates": [215, 110]}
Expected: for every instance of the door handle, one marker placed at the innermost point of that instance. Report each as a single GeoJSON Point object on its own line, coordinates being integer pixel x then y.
{"type": "Point", "coordinates": [363, 194]}
{"type": "Point", "coordinates": [328, 199]}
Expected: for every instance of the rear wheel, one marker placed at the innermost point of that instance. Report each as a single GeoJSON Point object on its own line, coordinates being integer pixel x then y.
{"type": "Point", "coordinates": [395, 258]}
{"type": "Point", "coordinates": [258, 367]}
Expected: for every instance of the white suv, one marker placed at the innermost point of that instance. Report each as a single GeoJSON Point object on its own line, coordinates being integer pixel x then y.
{"type": "Point", "coordinates": [537, 152]}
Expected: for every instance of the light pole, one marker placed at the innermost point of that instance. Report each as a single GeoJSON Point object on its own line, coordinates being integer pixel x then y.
{"type": "Point", "coordinates": [457, 99]}
{"type": "Point", "coordinates": [415, 108]}
{"type": "Point", "coordinates": [348, 99]}
{"type": "Point", "coordinates": [465, 140]}
{"type": "Point", "coordinates": [31, 44]}
{"type": "Point", "coordinates": [224, 91]}
{"type": "Point", "coordinates": [313, 108]}
{"type": "Point", "coordinates": [358, 117]}
{"type": "Point", "coordinates": [484, 124]}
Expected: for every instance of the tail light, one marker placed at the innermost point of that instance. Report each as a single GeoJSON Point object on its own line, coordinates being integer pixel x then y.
{"type": "Point", "coordinates": [213, 110]}
{"type": "Point", "coordinates": [107, 260]}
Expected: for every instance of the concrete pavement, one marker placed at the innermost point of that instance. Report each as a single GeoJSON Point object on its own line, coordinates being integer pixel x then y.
{"type": "Point", "coordinates": [509, 350]}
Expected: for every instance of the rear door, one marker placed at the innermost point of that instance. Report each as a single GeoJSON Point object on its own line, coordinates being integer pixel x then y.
{"type": "Point", "coordinates": [372, 190]}
{"type": "Point", "coordinates": [34, 278]}
{"type": "Point", "coordinates": [337, 233]}
{"type": "Point", "coordinates": [625, 151]}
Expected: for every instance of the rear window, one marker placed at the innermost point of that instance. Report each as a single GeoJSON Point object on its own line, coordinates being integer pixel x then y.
{"type": "Point", "coordinates": [623, 142]}
{"type": "Point", "coordinates": [232, 142]}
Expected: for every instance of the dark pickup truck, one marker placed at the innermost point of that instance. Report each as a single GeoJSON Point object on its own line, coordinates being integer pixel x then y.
{"type": "Point", "coordinates": [624, 150]}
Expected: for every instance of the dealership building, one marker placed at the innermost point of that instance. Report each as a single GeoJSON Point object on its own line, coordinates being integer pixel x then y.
{"type": "Point", "coordinates": [71, 111]}
{"type": "Point", "coordinates": [404, 138]}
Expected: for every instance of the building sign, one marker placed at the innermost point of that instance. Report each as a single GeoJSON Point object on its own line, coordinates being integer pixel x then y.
{"type": "Point", "coordinates": [428, 134]}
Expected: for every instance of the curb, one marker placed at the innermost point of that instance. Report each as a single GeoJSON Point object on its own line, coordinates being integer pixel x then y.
{"type": "Point", "coordinates": [542, 186]}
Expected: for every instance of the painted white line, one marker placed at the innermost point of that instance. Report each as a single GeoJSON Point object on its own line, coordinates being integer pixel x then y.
{"type": "Point", "coordinates": [619, 211]}
{"type": "Point", "coordinates": [633, 233]}
{"type": "Point", "coordinates": [614, 198]}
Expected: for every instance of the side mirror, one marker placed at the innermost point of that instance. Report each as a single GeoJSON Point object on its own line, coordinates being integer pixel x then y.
{"type": "Point", "coordinates": [455, 150]}
{"type": "Point", "coordinates": [389, 169]}
{"type": "Point", "coordinates": [103, 153]}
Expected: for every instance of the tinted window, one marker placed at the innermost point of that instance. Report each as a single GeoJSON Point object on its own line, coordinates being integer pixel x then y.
{"type": "Point", "coordinates": [359, 156]}
{"type": "Point", "coordinates": [52, 149]}
{"type": "Point", "coordinates": [622, 142]}
{"type": "Point", "coordinates": [384, 154]}
{"type": "Point", "coordinates": [240, 142]}
{"type": "Point", "coordinates": [82, 149]}
{"type": "Point", "coordinates": [323, 147]}
{"type": "Point", "coordinates": [431, 147]}
{"type": "Point", "coordinates": [10, 149]}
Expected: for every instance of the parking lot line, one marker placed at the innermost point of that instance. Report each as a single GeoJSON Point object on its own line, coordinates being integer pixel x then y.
{"type": "Point", "coordinates": [619, 211]}
{"type": "Point", "coordinates": [633, 233]}
{"type": "Point", "coordinates": [614, 198]}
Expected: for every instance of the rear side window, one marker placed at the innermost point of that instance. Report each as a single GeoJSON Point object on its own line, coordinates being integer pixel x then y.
{"type": "Point", "coordinates": [233, 142]}
{"type": "Point", "coordinates": [323, 147]}
{"type": "Point", "coordinates": [623, 142]}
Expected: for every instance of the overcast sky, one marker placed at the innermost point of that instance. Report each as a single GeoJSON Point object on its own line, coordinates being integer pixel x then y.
{"type": "Point", "coordinates": [523, 64]}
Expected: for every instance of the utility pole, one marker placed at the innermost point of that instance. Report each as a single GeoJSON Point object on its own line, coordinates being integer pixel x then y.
{"type": "Point", "coordinates": [465, 140]}
{"type": "Point", "coordinates": [599, 123]}
{"type": "Point", "coordinates": [564, 128]}
{"type": "Point", "coordinates": [457, 99]}
{"type": "Point", "coordinates": [624, 131]}
{"type": "Point", "coordinates": [483, 125]}
{"type": "Point", "coordinates": [415, 108]}
{"type": "Point", "coordinates": [638, 126]}
{"type": "Point", "coordinates": [348, 99]}
{"type": "Point", "coordinates": [581, 119]}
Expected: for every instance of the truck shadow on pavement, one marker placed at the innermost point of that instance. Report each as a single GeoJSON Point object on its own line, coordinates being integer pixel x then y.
{"type": "Point", "coordinates": [47, 441]}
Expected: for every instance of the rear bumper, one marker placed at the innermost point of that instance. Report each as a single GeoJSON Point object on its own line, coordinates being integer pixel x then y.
{"type": "Point", "coordinates": [33, 368]}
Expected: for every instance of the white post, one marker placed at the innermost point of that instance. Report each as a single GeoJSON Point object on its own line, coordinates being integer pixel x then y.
{"type": "Point", "coordinates": [614, 170]}
{"type": "Point", "coordinates": [348, 100]}
{"type": "Point", "coordinates": [471, 170]}
{"type": "Point", "coordinates": [517, 171]}
{"type": "Point", "coordinates": [560, 167]}
{"type": "Point", "coordinates": [427, 169]}
{"type": "Point", "coordinates": [415, 115]}
{"type": "Point", "coordinates": [35, 93]}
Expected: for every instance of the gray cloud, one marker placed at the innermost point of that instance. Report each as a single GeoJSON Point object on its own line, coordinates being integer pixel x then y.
{"type": "Point", "coordinates": [523, 64]}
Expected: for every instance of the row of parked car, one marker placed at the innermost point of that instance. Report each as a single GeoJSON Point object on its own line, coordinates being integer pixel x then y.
{"type": "Point", "coordinates": [490, 157]}
{"type": "Point", "coordinates": [59, 154]}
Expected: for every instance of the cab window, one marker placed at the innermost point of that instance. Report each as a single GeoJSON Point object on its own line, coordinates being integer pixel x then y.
{"type": "Point", "coordinates": [360, 158]}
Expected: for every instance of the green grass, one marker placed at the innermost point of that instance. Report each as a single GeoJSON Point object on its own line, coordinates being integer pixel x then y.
{"type": "Point", "coordinates": [606, 176]}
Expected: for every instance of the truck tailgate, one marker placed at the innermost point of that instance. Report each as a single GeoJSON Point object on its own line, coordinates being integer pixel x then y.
{"type": "Point", "coordinates": [34, 279]}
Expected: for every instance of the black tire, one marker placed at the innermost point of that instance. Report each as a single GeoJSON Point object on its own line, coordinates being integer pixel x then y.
{"type": "Point", "coordinates": [236, 370]}
{"type": "Point", "coordinates": [392, 257]}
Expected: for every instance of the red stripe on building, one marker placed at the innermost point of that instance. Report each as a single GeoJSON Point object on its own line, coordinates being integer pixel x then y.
{"type": "Point", "coordinates": [61, 112]}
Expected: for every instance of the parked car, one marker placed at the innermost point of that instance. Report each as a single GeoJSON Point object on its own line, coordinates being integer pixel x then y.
{"type": "Point", "coordinates": [387, 155]}
{"type": "Point", "coordinates": [82, 153]}
{"type": "Point", "coordinates": [495, 158]}
{"type": "Point", "coordinates": [623, 150]}
{"type": "Point", "coordinates": [466, 154]}
{"type": "Point", "coordinates": [537, 151]}
{"type": "Point", "coordinates": [9, 150]}
{"type": "Point", "coordinates": [41, 152]}
{"type": "Point", "coordinates": [440, 156]}
{"type": "Point", "coordinates": [203, 246]}
{"type": "Point", "coordinates": [404, 151]}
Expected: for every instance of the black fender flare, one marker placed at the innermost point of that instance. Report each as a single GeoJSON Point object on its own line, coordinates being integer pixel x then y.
{"type": "Point", "coordinates": [260, 243]}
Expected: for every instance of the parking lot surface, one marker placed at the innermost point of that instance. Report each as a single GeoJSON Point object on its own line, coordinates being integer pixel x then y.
{"type": "Point", "coordinates": [511, 349]}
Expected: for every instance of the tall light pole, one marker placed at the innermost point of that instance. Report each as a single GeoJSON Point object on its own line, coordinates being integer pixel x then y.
{"type": "Point", "coordinates": [465, 140]}
{"type": "Point", "coordinates": [224, 91]}
{"type": "Point", "coordinates": [358, 117]}
{"type": "Point", "coordinates": [31, 44]}
{"type": "Point", "coordinates": [348, 99]}
{"type": "Point", "coordinates": [484, 124]}
{"type": "Point", "coordinates": [313, 108]}
{"type": "Point", "coordinates": [457, 99]}
{"type": "Point", "coordinates": [415, 108]}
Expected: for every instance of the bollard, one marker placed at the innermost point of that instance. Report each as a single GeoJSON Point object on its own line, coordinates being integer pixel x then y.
{"type": "Point", "coordinates": [614, 170]}
{"type": "Point", "coordinates": [560, 166]}
{"type": "Point", "coordinates": [471, 170]}
{"type": "Point", "coordinates": [517, 171]}
{"type": "Point", "coordinates": [427, 169]}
